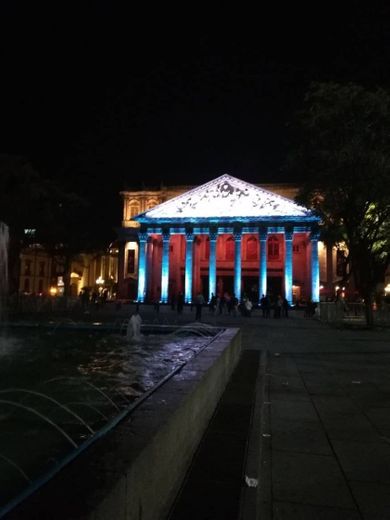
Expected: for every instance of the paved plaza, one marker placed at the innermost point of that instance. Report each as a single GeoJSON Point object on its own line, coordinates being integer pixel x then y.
{"type": "Point", "coordinates": [302, 431]}
{"type": "Point", "coordinates": [319, 436]}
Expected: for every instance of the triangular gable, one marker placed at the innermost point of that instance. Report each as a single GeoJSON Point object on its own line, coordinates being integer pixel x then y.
{"type": "Point", "coordinates": [226, 197]}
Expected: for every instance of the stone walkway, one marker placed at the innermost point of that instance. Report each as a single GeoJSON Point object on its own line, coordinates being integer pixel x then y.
{"type": "Point", "coordinates": [319, 442]}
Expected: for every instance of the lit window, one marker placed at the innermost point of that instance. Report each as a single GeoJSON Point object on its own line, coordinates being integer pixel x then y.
{"type": "Point", "coordinates": [229, 251]}
{"type": "Point", "coordinates": [27, 268]}
{"type": "Point", "coordinates": [251, 249]}
{"type": "Point", "coordinates": [134, 209]}
{"type": "Point", "coordinates": [273, 248]}
{"type": "Point", "coordinates": [130, 261]}
{"type": "Point", "coordinates": [151, 203]}
{"type": "Point", "coordinates": [41, 269]}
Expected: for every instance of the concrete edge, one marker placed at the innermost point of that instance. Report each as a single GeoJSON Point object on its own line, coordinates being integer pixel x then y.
{"type": "Point", "coordinates": [255, 497]}
{"type": "Point", "coordinates": [135, 471]}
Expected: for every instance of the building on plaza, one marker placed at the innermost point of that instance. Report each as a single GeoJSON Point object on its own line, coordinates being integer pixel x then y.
{"type": "Point", "coordinates": [42, 273]}
{"type": "Point", "coordinates": [225, 236]}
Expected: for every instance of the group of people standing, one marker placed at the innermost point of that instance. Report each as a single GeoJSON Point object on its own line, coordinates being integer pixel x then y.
{"type": "Point", "coordinates": [227, 304]}
{"type": "Point", "coordinates": [280, 306]}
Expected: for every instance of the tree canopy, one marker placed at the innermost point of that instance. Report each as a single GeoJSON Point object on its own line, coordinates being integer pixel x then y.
{"type": "Point", "coordinates": [341, 152]}
{"type": "Point", "coordinates": [58, 219]}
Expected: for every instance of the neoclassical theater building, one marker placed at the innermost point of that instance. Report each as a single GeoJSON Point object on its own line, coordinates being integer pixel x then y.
{"type": "Point", "coordinates": [225, 236]}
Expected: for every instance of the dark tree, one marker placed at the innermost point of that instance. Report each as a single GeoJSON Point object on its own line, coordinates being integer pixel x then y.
{"type": "Point", "coordinates": [45, 212]}
{"type": "Point", "coordinates": [342, 151]}
{"type": "Point", "coordinates": [21, 197]}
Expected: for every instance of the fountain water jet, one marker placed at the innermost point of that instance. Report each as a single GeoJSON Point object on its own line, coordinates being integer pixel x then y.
{"type": "Point", "coordinates": [133, 331]}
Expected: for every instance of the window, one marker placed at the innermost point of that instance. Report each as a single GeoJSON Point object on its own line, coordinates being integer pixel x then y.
{"type": "Point", "coordinates": [27, 285]}
{"type": "Point", "coordinates": [41, 269]}
{"type": "Point", "coordinates": [229, 249]}
{"type": "Point", "coordinates": [251, 249]}
{"type": "Point", "coordinates": [130, 261]}
{"type": "Point", "coordinates": [151, 203]}
{"type": "Point", "coordinates": [273, 248]}
{"type": "Point", "coordinates": [27, 268]}
{"type": "Point", "coordinates": [134, 209]}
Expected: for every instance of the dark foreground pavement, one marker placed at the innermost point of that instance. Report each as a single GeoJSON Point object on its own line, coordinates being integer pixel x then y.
{"type": "Point", "coordinates": [302, 431]}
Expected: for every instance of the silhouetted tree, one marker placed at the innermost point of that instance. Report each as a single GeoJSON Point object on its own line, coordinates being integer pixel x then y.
{"type": "Point", "coordinates": [341, 148]}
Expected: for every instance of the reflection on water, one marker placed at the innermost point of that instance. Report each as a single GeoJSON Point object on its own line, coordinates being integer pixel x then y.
{"type": "Point", "coordinates": [47, 380]}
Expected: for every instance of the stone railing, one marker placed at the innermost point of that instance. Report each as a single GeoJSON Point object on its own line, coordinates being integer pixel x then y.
{"type": "Point", "coordinates": [341, 311]}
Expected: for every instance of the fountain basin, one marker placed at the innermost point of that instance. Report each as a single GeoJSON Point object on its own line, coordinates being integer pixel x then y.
{"type": "Point", "coordinates": [136, 469]}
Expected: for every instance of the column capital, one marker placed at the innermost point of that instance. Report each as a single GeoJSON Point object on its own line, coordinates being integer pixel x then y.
{"type": "Point", "coordinates": [166, 234]}
{"type": "Point", "coordinates": [143, 236]}
{"type": "Point", "coordinates": [213, 234]}
{"type": "Point", "coordinates": [237, 234]}
{"type": "Point", "coordinates": [263, 233]}
{"type": "Point", "coordinates": [189, 234]}
{"type": "Point", "coordinates": [288, 233]}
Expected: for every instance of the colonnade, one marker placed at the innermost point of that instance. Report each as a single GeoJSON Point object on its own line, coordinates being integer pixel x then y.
{"type": "Point", "coordinates": [190, 234]}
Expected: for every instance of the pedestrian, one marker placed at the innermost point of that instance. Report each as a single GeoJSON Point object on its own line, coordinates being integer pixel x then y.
{"type": "Point", "coordinates": [263, 302]}
{"type": "Point", "coordinates": [235, 303]}
{"type": "Point", "coordinates": [221, 304]}
{"type": "Point", "coordinates": [199, 302]}
{"type": "Point", "coordinates": [278, 307]}
{"type": "Point", "coordinates": [267, 306]}
{"type": "Point", "coordinates": [180, 303]}
{"type": "Point", "coordinates": [285, 307]}
{"type": "Point", "coordinates": [212, 303]}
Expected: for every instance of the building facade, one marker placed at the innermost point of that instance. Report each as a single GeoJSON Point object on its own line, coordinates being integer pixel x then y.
{"type": "Point", "coordinates": [42, 273]}
{"type": "Point", "coordinates": [226, 236]}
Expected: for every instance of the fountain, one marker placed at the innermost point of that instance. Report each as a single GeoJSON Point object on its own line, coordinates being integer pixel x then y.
{"type": "Point", "coordinates": [133, 331]}
{"type": "Point", "coordinates": [4, 239]}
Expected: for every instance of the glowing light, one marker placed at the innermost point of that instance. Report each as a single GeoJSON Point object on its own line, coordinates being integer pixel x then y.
{"type": "Point", "coordinates": [100, 281]}
{"type": "Point", "coordinates": [288, 272]}
{"type": "Point", "coordinates": [387, 289]}
{"type": "Point", "coordinates": [263, 267]}
{"type": "Point", "coordinates": [212, 269]}
{"type": "Point", "coordinates": [165, 270]}
{"type": "Point", "coordinates": [337, 287]}
{"type": "Point", "coordinates": [53, 291]}
{"type": "Point", "coordinates": [188, 271]}
{"type": "Point", "coordinates": [321, 287]}
{"type": "Point", "coordinates": [60, 281]}
{"type": "Point", "coordinates": [141, 271]}
{"type": "Point", "coordinates": [315, 271]}
{"type": "Point", "coordinates": [237, 268]}
{"type": "Point", "coordinates": [227, 196]}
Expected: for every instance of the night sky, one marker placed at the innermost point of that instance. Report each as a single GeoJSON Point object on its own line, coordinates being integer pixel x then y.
{"type": "Point", "coordinates": [110, 99]}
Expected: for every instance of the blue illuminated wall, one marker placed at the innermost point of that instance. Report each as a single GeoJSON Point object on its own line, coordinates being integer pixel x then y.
{"type": "Point", "coordinates": [288, 268]}
{"type": "Point", "coordinates": [188, 269]}
{"type": "Point", "coordinates": [142, 270]}
{"type": "Point", "coordinates": [165, 269]}
{"type": "Point", "coordinates": [315, 269]}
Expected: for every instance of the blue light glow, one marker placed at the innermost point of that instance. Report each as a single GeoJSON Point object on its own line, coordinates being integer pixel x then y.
{"type": "Point", "coordinates": [263, 267]}
{"type": "Point", "coordinates": [288, 270]}
{"type": "Point", "coordinates": [165, 270]}
{"type": "Point", "coordinates": [188, 271]}
{"type": "Point", "coordinates": [212, 269]}
{"type": "Point", "coordinates": [315, 271]}
{"type": "Point", "coordinates": [237, 267]}
{"type": "Point", "coordinates": [141, 271]}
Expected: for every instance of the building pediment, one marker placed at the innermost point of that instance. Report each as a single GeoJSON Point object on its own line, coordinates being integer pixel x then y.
{"type": "Point", "coordinates": [226, 197]}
